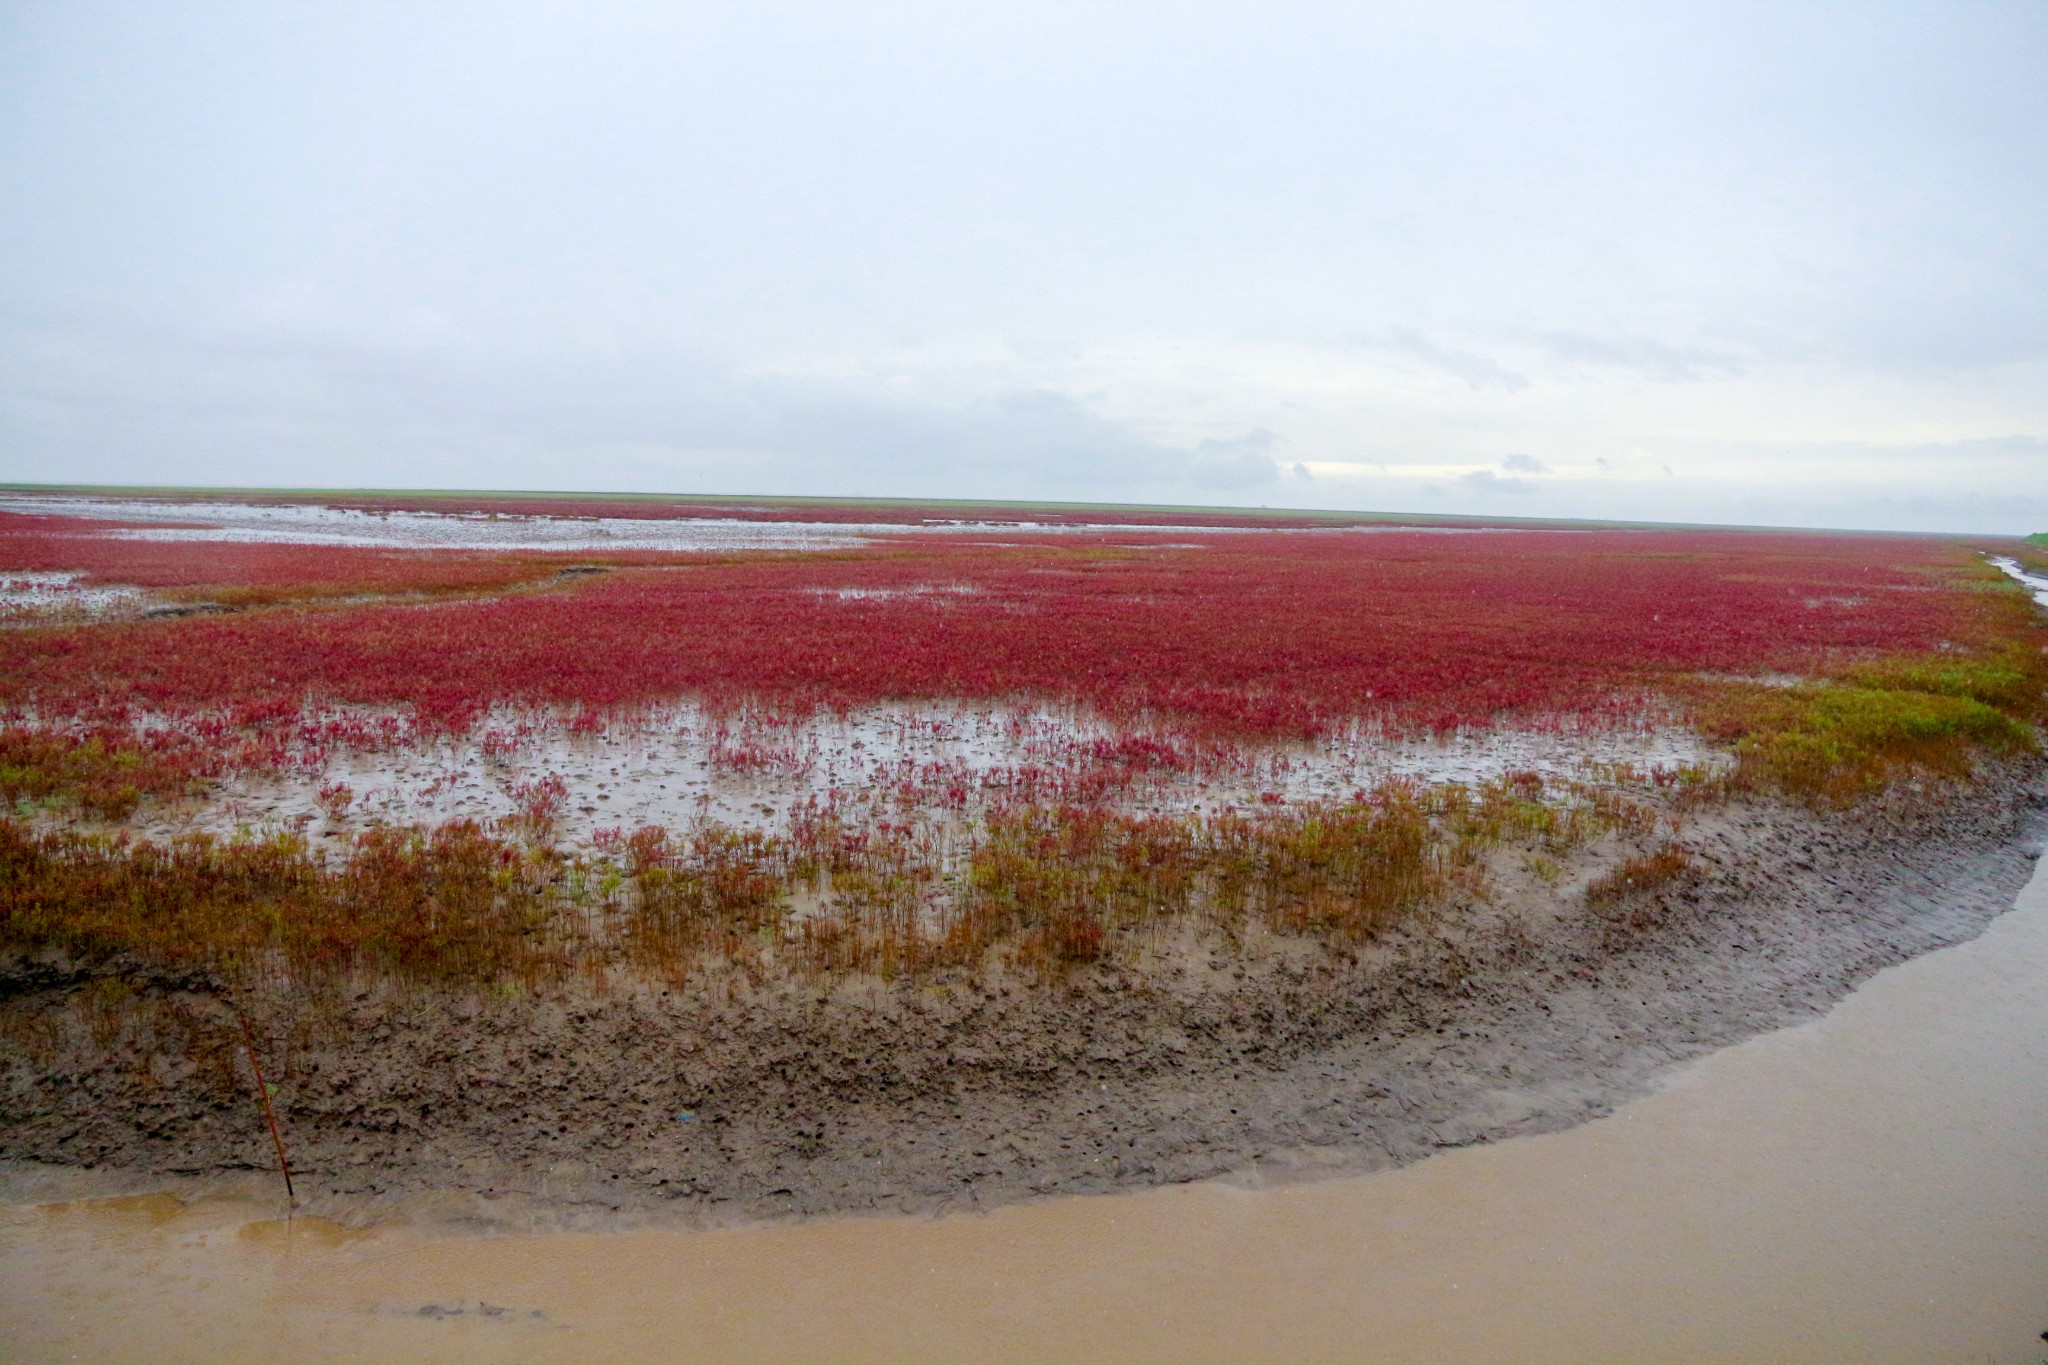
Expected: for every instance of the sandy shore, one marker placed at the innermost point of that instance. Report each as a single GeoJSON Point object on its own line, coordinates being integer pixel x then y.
{"type": "Point", "coordinates": [1262, 1059]}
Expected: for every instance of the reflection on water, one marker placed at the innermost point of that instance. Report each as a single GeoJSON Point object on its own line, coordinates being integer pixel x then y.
{"type": "Point", "coordinates": [1870, 1187]}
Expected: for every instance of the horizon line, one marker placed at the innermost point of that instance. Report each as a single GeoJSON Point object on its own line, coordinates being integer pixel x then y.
{"type": "Point", "coordinates": [881, 500]}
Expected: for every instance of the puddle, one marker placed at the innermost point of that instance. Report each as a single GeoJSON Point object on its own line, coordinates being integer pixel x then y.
{"type": "Point", "coordinates": [1871, 1187]}
{"type": "Point", "coordinates": [61, 597]}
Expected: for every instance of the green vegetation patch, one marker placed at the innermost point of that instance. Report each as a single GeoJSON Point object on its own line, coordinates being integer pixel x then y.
{"type": "Point", "coordinates": [1869, 722]}
{"type": "Point", "coordinates": [2010, 679]}
{"type": "Point", "coordinates": [1838, 740]}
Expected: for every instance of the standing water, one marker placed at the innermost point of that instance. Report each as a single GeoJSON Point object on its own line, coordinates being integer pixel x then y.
{"type": "Point", "coordinates": [2037, 584]}
{"type": "Point", "coordinates": [1872, 1187]}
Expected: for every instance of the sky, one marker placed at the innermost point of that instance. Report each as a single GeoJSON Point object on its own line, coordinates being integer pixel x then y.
{"type": "Point", "coordinates": [1781, 264]}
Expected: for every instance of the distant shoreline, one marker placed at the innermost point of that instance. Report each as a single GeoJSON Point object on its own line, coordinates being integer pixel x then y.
{"type": "Point", "coordinates": [439, 499]}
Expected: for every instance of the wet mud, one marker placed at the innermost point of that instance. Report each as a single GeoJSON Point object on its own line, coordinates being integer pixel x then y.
{"type": "Point", "coordinates": [1258, 1059]}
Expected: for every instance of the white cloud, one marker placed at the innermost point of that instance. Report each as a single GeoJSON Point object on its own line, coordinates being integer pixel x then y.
{"type": "Point", "coordinates": [1366, 256]}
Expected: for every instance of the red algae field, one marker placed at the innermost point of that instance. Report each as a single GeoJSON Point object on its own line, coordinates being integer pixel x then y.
{"type": "Point", "coordinates": [786, 857]}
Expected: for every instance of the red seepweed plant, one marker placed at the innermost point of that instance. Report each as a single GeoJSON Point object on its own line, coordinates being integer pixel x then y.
{"type": "Point", "coordinates": [1264, 636]}
{"type": "Point", "coordinates": [1827, 662]}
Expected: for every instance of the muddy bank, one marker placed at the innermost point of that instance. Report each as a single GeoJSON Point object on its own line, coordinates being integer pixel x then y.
{"type": "Point", "coordinates": [1522, 1012]}
{"type": "Point", "coordinates": [1704, 1221]}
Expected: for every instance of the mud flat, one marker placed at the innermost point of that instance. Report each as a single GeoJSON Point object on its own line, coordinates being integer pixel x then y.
{"type": "Point", "coordinates": [673, 769]}
{"type": "Point", "coordinates": [1865, 1187]}
{"type": "Point", "coordinates": [1259, 1058]}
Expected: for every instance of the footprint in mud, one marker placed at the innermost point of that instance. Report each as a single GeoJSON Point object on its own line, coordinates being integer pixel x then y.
{"type": "Point", "coordinates": [435, 1312]}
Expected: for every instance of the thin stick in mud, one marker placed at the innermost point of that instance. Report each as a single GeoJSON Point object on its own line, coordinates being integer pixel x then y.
{"type": "Point", "coordinates": [263, 1089]}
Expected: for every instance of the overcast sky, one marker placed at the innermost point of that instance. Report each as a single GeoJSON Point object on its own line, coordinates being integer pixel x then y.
{"type": "Point", "coordinates": [1780, 263]}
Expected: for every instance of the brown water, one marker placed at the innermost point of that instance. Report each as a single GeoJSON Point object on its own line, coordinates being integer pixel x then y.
{"type": "Point", "coordinates": [1870, 1187]}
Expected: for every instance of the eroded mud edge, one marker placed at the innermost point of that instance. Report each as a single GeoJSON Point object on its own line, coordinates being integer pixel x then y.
{"type": "Point", "coordinates": [1258, 1060]}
